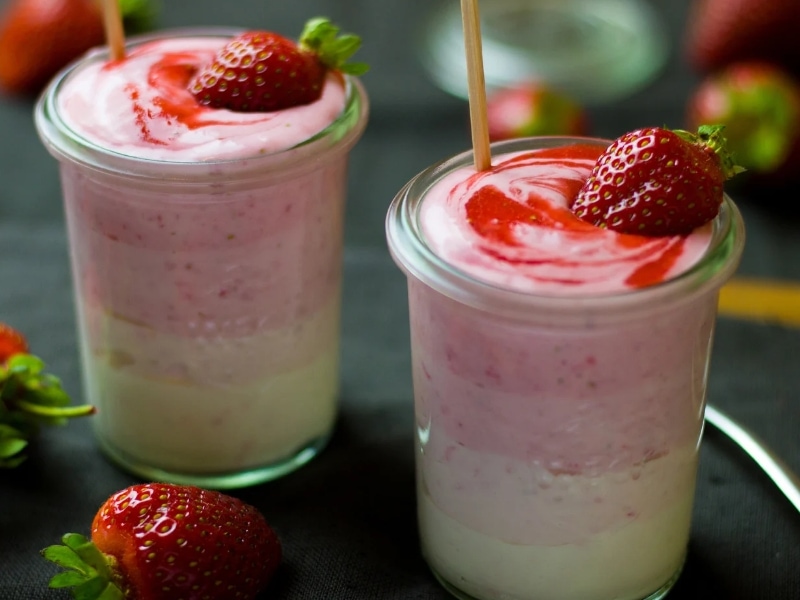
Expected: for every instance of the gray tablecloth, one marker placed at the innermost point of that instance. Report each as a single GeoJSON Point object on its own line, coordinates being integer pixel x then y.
{"type": "Point", "coordinates": [347, 519]}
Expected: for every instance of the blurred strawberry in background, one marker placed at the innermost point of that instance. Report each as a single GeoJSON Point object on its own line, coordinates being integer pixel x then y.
{"type": "Point", "coordinates": [531, 109]}
{"type": "Point", "coordinates": [759, 104]}
{"type": "Point", "coordinates": [719, 32]}
{"type": "Point", "coordinates": [39, 37]}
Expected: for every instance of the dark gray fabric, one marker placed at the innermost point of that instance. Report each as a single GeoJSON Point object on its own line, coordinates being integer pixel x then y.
{"type": "Point", "coordinates": [347, 519]}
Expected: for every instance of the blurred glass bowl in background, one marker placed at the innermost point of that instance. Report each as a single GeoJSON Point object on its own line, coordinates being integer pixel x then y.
{"type": "Point", "coordinates": [593, 50]}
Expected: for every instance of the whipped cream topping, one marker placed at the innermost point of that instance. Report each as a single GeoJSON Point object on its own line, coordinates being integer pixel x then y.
{"type": "Point", "coordinates": [140, 106]}
{"type": "Point", "coordinates": [511, 226]}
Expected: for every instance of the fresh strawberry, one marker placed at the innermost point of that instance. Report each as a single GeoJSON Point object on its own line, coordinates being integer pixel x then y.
{"type": "Point", "coordinates": [759, 104]}
{"type": "Point", "coordinates": [40, 37]}
{"type": "Point", "coordinates": [261, 71]}
{"type": "Point", "coordinates": [657, 182]}
{"type": "Point", "coordinates": [160, 541]}
{"type": "Point", "coordinates": [724, 31]}
{"type": "Point", "coordinates": [11, 342]}
{"type": "Point", "coordinates": [533, 109]}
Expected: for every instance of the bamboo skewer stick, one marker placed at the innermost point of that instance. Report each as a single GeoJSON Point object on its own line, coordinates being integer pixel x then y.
{"type": "Point", "coordinates": [115, 34]}
{"type": "Point", "coordinates": [477, 85]}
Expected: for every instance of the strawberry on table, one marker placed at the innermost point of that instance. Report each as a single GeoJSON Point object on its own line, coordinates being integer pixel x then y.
{"type": "Point", "coordinates": [759, 104]}
{"type": "Point", "coordinates": [261, 71]}
{"type": "Point", "coordinates": [657, 182]}
{"type": "Point", "coordinates": [160, 541]}
{"type": "Point", "coordinates": [533, 109]}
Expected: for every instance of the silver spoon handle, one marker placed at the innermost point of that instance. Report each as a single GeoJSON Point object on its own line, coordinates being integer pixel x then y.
{"type": "Point", "coordinates": [777, 470]}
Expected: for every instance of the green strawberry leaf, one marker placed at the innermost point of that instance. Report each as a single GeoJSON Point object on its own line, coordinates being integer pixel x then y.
{"type": "Point", "coordinates": [139, 16]}
{"type": "Point", "coordinates": [66, 558]}
{"type": "Point", "coordinates": [67, 579]}
{"type": "Point", "coordinates": [87, 570]}
{"type": "Point", "coordinates": [97, 589]}
{"type": "Point", "coordinates": [30, 398]}
{"type": "Point", "coordinates": [712, 137]}
{"type": "Point", "coordinates": [322, 37]}
{"type": "Point", "coordinates": [12, 443]}
{"type": "Point", "coordinates": [11, 446]}
{"type": "Point", "coordinates": [88, 553]}
{"type": "Point", "coordinates": [25, 363]}
{"type": "Point", "coordinates": [355, 69]}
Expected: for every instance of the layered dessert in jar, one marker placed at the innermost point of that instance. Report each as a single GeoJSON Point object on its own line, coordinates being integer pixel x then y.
{"type": "Point", "coordinates": [206, 248]}
{"type": "Point", "coordinates": [559, 373]}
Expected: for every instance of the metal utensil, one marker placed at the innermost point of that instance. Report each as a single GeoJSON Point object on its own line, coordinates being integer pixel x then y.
{"type": "Point", "coordinates": [777, 470]}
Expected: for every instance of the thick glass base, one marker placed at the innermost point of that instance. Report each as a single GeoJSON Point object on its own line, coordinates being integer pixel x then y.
{"type": "Point", "coordinates": [462, 595]}
{"type": "Point", "coordinates": [226, 480]}
{"type": "Point", "coordinates": [594, 50]}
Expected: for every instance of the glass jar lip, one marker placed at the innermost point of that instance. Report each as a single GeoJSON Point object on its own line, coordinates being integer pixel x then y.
{"type": "Point", "coordinates": [416, 258]}
{"type": "Point", "coordinates": [69, 145]}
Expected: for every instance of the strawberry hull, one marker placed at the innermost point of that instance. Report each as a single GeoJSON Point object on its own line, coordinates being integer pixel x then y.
{"type": "Point", "coordinates": [559, 392]}
{"type": "Point", "coordinates": [206, 248]}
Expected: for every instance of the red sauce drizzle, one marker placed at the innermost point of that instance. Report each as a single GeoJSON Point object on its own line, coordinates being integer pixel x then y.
{"type": "Point", "coordinates": [656, 270]}
{"type": "Point", "coordinates": [170, 77]}
{"type": "Point", "coordinates": [142, 116]}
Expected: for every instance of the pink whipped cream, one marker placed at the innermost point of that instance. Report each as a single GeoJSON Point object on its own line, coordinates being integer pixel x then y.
{"type": "Point", "coordinates": [140, 106]}
{"type": "Point", "coordinates": [511, 226]}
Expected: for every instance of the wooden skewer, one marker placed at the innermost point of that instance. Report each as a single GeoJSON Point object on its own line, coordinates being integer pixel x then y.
{"type": "Point", "coordinates": [476, 85]}
{"type": "Point", "coordinates": [115, 34]}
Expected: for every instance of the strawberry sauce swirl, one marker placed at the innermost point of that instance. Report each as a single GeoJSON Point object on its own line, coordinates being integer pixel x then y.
{"type": "Point", "coordinates": [141, 106]}
{"type": "Point", "coordinates": [511, 226]}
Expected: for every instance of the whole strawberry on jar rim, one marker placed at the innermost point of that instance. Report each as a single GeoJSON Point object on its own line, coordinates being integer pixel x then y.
{"type": "Point", "coordinates": [262, 71]}
{"type": "Point", "coordinates": [658, 182]}
{"type": "Point", "coordinates": [161, 541]}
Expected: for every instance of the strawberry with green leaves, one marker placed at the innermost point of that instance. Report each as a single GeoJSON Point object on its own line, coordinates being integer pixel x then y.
{"type": "Point", "coordinates": [160, 541]}
{"type": "Point", "coordinates": [657, 182]}
{"type": "Point", "coordinates": [759, 104]}
{"type": "Point", "coordinates": [261, 71]}
{"type": "Point", "coordinates": [29, 398]}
